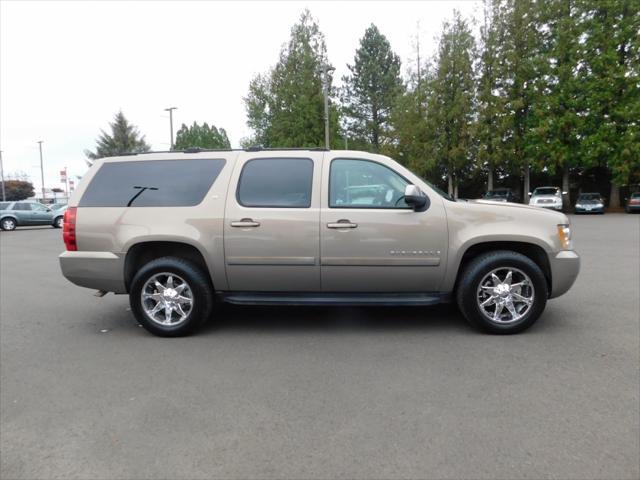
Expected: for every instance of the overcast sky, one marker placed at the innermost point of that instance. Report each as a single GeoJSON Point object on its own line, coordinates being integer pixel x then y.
{"type": "Point", "coordinates": [67, 67]}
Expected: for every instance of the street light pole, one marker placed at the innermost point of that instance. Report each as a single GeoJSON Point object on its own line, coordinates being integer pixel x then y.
{"type": "Point", "coordinates": [4, 196]}
{"type": "Point", "coordinates": [325, 91]}
{"type": "Point", "coordinates": [170, 110]}
{"type": "Point", "coordinates": [41, 169]}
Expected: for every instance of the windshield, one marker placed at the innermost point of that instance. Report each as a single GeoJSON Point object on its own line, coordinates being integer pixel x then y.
{"type": "Point", "coordinates": [589, 196]}
{"type": "Point", "coordinates": [636, 195]}
{"type": "Point", "coordinates": [496, 193]}
{"type": "Point", "coordinates": [442, 193]}
{"type": "Point", "coordinates": [545, 191]}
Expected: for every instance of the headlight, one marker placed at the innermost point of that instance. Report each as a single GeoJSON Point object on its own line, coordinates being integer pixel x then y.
{"type": "Point", "coordinates": [564, 232]}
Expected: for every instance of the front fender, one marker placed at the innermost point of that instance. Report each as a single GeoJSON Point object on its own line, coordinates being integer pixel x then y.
{"type": "Point", "coordinates": [472, 224]}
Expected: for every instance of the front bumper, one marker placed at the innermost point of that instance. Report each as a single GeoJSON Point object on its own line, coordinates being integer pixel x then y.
{"type": "Point", "coordinates": [565, 266]}
{"type": "Point", "coordinates": [633, 208]}
{"type": "Point", "coordinates": [589, 210]}
{"type": "Point", "coordinates": [98, 270]}
{"type": "Point", "coordinates": [550, 206]}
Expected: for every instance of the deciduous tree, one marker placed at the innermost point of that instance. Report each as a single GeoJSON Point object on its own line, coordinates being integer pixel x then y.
{"type": "Point", "coordinates": [201, 136]}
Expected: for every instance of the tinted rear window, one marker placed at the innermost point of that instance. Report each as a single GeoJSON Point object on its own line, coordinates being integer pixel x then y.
{"type": "Point", "coordinates": [276, 182]}
{"type": "Point", "coordinates": [152, 183]}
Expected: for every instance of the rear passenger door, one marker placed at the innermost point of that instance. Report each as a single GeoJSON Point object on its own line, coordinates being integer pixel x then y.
{"type": "Point", "coordinates": [271, 231]}
{"type": "Point", "coordinates": [22, 211]}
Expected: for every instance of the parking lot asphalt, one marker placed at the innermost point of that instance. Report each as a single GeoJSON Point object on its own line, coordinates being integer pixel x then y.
{"type": "Point", "coordinates": [320, 392]}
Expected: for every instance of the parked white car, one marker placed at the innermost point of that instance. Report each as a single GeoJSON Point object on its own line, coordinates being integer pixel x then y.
{"type": "Point", "coordinates": [547, 197]}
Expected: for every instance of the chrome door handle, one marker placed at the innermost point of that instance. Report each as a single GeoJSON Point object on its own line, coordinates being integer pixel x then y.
{"type": "Point", "coordinates": [245, 222]}
{"type": "Point", "coordinates": [343, 223]}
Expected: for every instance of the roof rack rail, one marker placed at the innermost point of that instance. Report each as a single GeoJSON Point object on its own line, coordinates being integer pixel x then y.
{"type": "Point", "coordinates": [255, 148]}
{"type": "Point", "coordinates": [258, 148]}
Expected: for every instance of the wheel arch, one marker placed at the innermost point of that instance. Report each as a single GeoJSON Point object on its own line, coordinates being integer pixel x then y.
{"type": "Point", "coordinates": [530, 250]}
{"type": "Point", "coordinates": [145, 251]}
{"type": "Point", "coordinates": [12, 217]}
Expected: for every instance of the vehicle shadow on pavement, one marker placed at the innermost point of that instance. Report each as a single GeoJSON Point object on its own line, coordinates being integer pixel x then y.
{"type": "Point", "coordinates": [28, 229]}
{"type": "Point", "coordinates": [305, 319]}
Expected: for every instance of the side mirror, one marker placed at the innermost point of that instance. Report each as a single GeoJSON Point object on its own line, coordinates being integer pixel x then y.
{"type": "Point", "coordinates": [530, 193]}
{"type": "Point", "coordinates": [415, 198]}
{"type": "Point", "coordinates": [565, 193]}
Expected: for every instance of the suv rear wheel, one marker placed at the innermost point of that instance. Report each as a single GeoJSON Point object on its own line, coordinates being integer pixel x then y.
{"type": "Point", "coordinates": [171, 297]}
{"type": "Point", "coordinates": [502, 292]}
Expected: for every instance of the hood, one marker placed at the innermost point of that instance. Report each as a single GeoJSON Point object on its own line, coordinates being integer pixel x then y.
{"type": "Point", "coordinates": [503, 205]}
{"type": "Point", "coordinates": [513, 210]}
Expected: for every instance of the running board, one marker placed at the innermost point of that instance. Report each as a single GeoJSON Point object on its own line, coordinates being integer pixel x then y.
{"type": "Point", "coordinates": [334, 299]}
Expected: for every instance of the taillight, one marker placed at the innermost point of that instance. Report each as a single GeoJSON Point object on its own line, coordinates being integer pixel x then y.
{"type": "Point", "coordinates": [69, 229]}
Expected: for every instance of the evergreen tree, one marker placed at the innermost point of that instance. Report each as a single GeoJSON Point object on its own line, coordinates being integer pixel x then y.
{"type": "Point", "coordinates": [522, 59]}
{"type": "Point", "coordinates": [124, 138]}
{"type": "Point", "coordinates": [371, 89]}
{"type": "Point", "coordinates": [204, 136]}
{"type": "Point", "coordinates": [451, 107]}
{"type": "Point", "coordinates": [558, 110]}
{"type": "Point", "coordinates": [610, 77]}
{"type": "Point", "coordinates": [491, 91]}
{"type": "Point", "coordinates": [285, 107]}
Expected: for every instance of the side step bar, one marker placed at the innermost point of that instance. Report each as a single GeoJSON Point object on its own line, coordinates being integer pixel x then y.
{"type": "Point", "coordinates": [334, 299]}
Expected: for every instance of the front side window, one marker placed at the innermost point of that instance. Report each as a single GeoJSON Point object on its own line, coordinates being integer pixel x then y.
{"type": "Point", "coordinates": [365, 184]}
{"type": "Point", "coordinates": [36, 207]}
{"type": "Point", "coordinates": [276, 182]}
{"type": "Point", "coordinates": [152, 183]}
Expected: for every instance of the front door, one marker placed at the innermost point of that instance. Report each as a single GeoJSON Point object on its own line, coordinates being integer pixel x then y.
{"type": "Point", "coordinates": [40, 214]}
{"type": "Point", "coordinates": [371, 240]}
{"type": "Point", "coordinates": [271, 231]}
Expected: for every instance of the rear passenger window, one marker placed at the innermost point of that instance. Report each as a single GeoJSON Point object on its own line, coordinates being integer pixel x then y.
{"type": "Point", "coordinates": [276, 182]}
{"type": "Point", "coordinates": [152, 183]}
{"type": "Point", "coordinates": [22, 206]}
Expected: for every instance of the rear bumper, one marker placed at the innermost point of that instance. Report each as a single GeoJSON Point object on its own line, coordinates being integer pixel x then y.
{"type": "Point", "coordinates": [98, 270]}
{"type": "Point", "coordinates": [565, 266]}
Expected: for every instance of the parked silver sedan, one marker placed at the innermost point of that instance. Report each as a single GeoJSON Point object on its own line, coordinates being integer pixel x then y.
{"type": "Point", "coordinates": [19, 214]}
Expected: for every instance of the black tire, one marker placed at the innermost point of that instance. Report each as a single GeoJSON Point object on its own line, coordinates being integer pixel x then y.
{"type": "Point", "coordinates": [58, 222]}
{"type": "Point", "coordinates": [199, 284]}
{"type": "Point", "coordinates": [476, 270]}
{"type": "Point", "coordinates": [8, 224]}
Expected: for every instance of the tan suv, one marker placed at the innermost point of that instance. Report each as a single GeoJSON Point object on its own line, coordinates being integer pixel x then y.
{"type": "Point", "coordinates": [178, 231]}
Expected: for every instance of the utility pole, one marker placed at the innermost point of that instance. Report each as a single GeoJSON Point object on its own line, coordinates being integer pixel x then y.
{"type": "Point", "coordinates": [325, 91]}
{"type": "Point", "coordinates": [4, 196]}
{"type": "Point", "coordinates": [41, 169]}
{"type": "Point", "coordinates": [170, 110]}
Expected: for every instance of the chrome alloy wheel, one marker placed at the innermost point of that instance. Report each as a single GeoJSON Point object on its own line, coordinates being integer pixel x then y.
{"type": "Point", "coordinates": [505, 295]}
{"type": "Point", "coordinates": [167, 299]}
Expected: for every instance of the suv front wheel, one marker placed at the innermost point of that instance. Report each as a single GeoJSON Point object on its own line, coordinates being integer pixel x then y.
{"type": "Point", "coordinates": [171, 297]}
{"type": "Point", "coordinates": [502, 292]}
